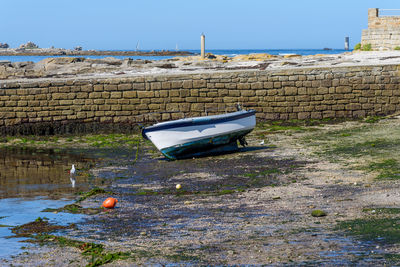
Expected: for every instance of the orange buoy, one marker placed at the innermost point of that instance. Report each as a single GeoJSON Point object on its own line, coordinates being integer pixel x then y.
{"type": "Point", "coordinates": [110, 203]}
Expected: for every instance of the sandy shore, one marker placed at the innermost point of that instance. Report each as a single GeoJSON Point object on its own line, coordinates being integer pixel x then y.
{"type": "Point", "coordinates": [252, 207]}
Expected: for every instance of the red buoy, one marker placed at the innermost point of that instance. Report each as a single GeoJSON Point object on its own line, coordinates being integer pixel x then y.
{"type": "Point", "coordinates": [110, 203]}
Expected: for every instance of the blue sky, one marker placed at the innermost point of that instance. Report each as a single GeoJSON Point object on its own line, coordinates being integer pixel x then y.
{"type": "Point", "coordinates": [161, 24]}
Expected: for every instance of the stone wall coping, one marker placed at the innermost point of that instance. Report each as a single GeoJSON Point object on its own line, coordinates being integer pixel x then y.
{"type": "Point", "coordinates": [31, 83]}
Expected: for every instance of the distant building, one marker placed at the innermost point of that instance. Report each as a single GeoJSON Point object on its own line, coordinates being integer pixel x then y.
{"type": "Point", "coordinates": [5, 45]}
{"type": "Point", "coordinates": [383, 32]}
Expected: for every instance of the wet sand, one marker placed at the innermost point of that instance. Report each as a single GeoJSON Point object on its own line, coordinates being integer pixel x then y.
{"type": "Point", "coordinates": [251, 207]}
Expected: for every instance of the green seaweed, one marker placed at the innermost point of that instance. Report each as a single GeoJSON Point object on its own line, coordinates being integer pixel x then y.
{"type": "Point", "coordinates": [388, 169]}
{"type": "Point", "coordinates": [383, 230]}
{"type": "Point", "coordinates": [392, 258]}
{"type": "Point", "coordinates": [92, 192]}
{"type": "Point", "coordinates": [75, 209]}
{"type": "Point", "coordinates": [318, 213]}
{"type": "Point", "coordinates": [111, 140]}
{"type": "Point", "coordinates": [378, 211]}
{"type": "Point", "coordinates": [372, 119]}
{"type": "Point", "coordinates": [39, 226]}
{"type": "Point", "coordinates": [364, 148]}
{"type": "Point", "coordinates": [95, 251]}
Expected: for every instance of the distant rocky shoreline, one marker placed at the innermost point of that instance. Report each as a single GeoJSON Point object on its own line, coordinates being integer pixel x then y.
{"type": "Point", "coordinates": [64, 67]}
{"type": "Point", "coordinates": [69, 52]}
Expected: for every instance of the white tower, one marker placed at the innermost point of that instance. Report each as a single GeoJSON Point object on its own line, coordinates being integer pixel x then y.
{"type": "Point", "coordinates": [203, 45]}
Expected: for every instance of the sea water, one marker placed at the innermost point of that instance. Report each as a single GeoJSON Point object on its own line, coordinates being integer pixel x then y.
{"type": "Point", "coordinates": [18, 211]}
{"type": "Point", "coordinates": [32, 181]}
{"type": "Point", "coordinates": [227, 52]}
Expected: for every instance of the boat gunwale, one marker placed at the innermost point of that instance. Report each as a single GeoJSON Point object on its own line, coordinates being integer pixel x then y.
{"type": "Point", "coordinates": [199, 121]}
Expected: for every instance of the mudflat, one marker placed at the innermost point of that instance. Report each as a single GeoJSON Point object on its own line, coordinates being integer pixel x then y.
{"type": "Point", "coordinates": [301, 193]}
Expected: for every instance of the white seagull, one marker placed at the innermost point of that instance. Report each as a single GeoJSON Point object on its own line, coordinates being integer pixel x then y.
{"type": "Point", "coordinates": [72, 171]}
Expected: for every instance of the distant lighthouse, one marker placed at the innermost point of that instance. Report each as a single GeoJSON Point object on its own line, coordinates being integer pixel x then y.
{"type": "Point", "coordinates": [346, 43]}
{"type": "Point", "coordinates": [203, 45]}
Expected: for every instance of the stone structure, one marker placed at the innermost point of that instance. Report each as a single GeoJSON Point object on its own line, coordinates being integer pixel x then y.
{"type": "Point", "coordinates": [383, 33]}
{"type": "Point", "coordinates": [306, 93]}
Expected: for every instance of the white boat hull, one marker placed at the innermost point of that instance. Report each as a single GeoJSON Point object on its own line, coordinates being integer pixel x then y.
{"type": "Point", "coordinates": [182, 138]}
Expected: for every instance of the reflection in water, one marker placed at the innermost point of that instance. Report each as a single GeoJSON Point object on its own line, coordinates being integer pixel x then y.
{"type": "Point", "coordinates": [72, 175]}
{"type": "Point", "coordinates": [73, 180]}
{"type": "Point", "coordinates": [25, 173]}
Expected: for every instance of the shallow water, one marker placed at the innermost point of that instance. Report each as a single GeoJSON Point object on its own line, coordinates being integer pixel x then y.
{"type": "Point", "coordinates": [18, 211]}
{"type": "Point", "coordinates": [33, 180]}
{"type": "Point", "coordinates": [29, 173]}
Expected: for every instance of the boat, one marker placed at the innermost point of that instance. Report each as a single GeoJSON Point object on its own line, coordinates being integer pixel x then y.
{"type": "Point", "coordinates": [198, 136]}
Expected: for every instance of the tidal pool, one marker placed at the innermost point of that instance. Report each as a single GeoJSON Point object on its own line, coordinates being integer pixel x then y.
{"type": "Point", "coordinates": [18, 211]}
{"type": "Point", "coordinates": [33, 180]}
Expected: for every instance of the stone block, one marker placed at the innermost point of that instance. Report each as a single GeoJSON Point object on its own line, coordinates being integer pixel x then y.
{"type": "Point", "coordinates": [129, 94]}
{"type": "Point", "coordinates": [116, 95]}
{"type": "Point", "coordinates": [85, 88]}
{"type": "Point", "coordinates": [145, 94]}
{"type": "Point", "coordinates": [124, 86]}
{"type": "Point", "coordinates": [176, 84]}
{"type": "Point", "coordinates": [233, 93]}
{"type": "Point", "coordinates": [166, 85]}
{"type": "Point", "coordinates": [199, 84]}
{"type": "Point", "coordinates": [247, 93]}
{"type": "Point", "coordinates": [57, 96]}
{"type": "Point", "coordinates": [65, 102]}
{"type": "Point", "coordinates": [138, 86]}
{"type": "Point", "coordinates": [230, 85]}
{"type": "Point", "coordinates": [316, 115]}
{"type": "Point", "coordinates": [184, 92]}
{"type": "Point", "coordinates": [343, 89]}
{"type": "Point", "coordinates": [268, 85]}
{"type": "Point", "coordinates": [187, 84]}
{"type": "Point", "coordinates": [95, 95]}
{"type": "Point", "coordinates": [155, 86]}
{"type": "Point", "coordinates": [81, 115]}
{"type": "Point", "coordinates": [328, 114]}
{"type": "Point", "coordinates": [197, 107]}
{"type": "Point", "coordinates": [290, 90]}
{"type": "Point", "coordinates": [359, 114]}
{"type": "Point", "coordinates": [303, 115]}
{"type": "Point", "coordinates": [98, 88]}
{"type": "Point", "coordinates": [257, 85]}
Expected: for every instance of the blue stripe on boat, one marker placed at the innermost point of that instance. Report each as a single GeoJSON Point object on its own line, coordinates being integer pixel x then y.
{"type": "Point", "coordinates": [205, 146]}
{"type": "Point", "coordinates": [198, 121]}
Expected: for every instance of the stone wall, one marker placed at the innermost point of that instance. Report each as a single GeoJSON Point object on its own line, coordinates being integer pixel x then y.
{"type": "Point", "coordinates": [340, 92]}
{"type": "Point", "coordinates": [383, 23]}
{"type": "Point", "coordinates": [383, 33]}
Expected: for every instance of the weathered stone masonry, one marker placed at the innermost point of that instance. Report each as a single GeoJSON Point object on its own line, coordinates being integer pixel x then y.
{"type": "Point", "coordinates": [276, 95]}
{"type": "Point", "coordinates": [383, 32]}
